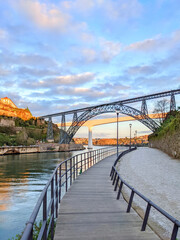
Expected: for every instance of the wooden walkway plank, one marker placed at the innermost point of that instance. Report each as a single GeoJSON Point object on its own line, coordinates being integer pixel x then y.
{"type": "Point", "coordinates": [89, 210]}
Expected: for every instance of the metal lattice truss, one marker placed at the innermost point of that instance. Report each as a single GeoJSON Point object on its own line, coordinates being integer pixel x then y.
{"type": "Point", "coordinates": [124, 109]}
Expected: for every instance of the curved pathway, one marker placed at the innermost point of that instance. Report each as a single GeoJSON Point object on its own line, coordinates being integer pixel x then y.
{"type": "Point", "coordinates": [89, 210]}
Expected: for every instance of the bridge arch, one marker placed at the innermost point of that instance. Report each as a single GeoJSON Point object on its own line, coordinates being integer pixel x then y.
{"type": "Point", "coordinates": [124, 109]}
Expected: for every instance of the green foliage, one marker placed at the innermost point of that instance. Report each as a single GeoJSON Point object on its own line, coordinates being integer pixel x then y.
{"type": "Point", "coordinates": [7, 140]}
{"type": "Point", "coordinates": [25, 132]}
{"type": "Point", "coordinates": [17, 237]}
{"type": "Point", "coordinates": [36, 230]}
{"type": "Point", "coordinates": [22, 123]}
{"type": "Point", "coordinates": [30, 141]}
{"type": "Point", "coordinates": [170, 125]}
{"type": "Point", "coordinates": [21, 138]}
{"type": "Point", "coordinates": [7, 130]}
{"type": "Point", "coordinates": [34, 133]}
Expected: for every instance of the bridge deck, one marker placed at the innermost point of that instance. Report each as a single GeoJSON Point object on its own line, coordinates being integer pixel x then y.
{"type": "Point", "coordinates": [90, 210]}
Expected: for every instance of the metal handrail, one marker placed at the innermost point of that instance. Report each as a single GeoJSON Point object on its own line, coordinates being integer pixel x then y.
{"type": "Point", "coordinates": [64, 174]}
{"type": "Point", "coordinates": [118, 180]}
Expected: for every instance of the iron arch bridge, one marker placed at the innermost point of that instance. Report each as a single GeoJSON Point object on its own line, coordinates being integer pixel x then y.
{"type": "Point", "coordinates": [90, 112]}
{"type": "Point", "coordinates": [124, 109]}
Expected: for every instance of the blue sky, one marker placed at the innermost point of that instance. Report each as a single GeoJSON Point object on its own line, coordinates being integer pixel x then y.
{"type": "Point", "coordinates": [61, 55]}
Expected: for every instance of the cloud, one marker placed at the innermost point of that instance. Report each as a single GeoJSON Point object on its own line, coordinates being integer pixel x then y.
{"type": "Point", "coordinates": [156, 44]}
{"type": "Point", "coordinates": [113, 10]}
{"type": "Point", "coordinates": [29, 71]}
{"type": "Point", "coordinates": [89, 55]}
{"type": "Point", "coordinates": [104, 51]}
{"type": "Point", "coordinates": [3, 72]}
{"type": "Point", "coordinates": [141, 70]}
{"type": "Point", "coordinates": [74, 79]}
{"type": "Point", "coordinates": [23, 59]}
{"type": "Point", "coordinates": [59, 81]}
{"type": "Point", "coordinates": [87, 37]}
{"type": "Point", "coordinates": [47, 16]}
{"type": "Point", "coordinates": [109, 49]}
{"type": "Point", "coordinates": [123, 9]}
{"type": "Point", "coordinates": [3, 34]}
{"type": "Point", "coordinates": [146, 45]}
{"type": "Point", "coordinates": [79, 5]}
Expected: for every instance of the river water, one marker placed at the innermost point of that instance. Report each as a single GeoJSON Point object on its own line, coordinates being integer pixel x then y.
{"type": "Point", "coordinates": [22, 178]}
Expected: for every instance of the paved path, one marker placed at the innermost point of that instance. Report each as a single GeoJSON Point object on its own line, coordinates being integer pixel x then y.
{"type": "Point", "coordinates": [90, 210]}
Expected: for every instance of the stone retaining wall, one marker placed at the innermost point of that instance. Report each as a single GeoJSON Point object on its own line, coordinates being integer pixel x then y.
{"type": "Point", "coordinates": [169, 144]}
{"type": "Point", "coordinates": [44, 147]}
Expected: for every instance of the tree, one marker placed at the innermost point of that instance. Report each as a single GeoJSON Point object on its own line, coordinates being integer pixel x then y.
{"type": "Point", "coordinates": [161, 108]}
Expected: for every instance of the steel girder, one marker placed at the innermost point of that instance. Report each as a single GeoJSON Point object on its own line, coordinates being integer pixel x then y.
{"type": "Point", "coordinates": [124, 109]}
{"type": "Point", "coordinates": [126, 101]}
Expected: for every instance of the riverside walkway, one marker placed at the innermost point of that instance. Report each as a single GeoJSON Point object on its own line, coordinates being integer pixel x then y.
{"type": "Point", "coordinates": [89, 210]}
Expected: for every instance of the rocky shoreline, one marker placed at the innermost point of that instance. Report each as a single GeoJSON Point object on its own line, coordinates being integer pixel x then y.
{"type": "Point", "coordinates": [40, 148]}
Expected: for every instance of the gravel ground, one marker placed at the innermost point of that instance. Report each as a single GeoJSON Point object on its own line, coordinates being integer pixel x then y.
{"type": "Point", "coordinates": [157, 176]}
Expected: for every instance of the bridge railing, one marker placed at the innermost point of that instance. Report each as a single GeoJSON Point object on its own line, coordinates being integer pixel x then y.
{"type": "Point", "coordinates": [120, 182]}
{"type": "Point", "coordinates": [62, 178]}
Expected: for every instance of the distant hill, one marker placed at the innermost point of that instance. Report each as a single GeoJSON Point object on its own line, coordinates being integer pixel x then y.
{"type": "Point", "coordinates": [113, 141]}
{"type": "Point", "coordinates": [8, 108]}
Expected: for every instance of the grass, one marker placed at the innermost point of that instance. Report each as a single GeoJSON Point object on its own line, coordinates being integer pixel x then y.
{"type": "Point", "coordinates": [170, 125]}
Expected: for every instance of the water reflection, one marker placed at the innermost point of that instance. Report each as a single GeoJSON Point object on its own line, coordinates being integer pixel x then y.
{"type": "Point", "coordinates": [22, 177]}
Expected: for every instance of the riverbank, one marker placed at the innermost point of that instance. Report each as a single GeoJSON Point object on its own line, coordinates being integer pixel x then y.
{"type": "Point", "coordinates": [155, 175]}
{"type": "Point", "coordinates": [40, 148]}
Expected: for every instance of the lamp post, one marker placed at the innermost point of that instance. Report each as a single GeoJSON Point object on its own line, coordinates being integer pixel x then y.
{"type": "Point", "coordinates": [117, 112]}
{"type": "Point", "coordinates": [130, 125]}
{"type": "Point", "coordinates": [135, 136]}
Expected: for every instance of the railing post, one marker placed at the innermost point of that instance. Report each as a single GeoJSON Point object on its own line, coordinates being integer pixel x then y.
{"type": "Point", "coordinates": [70, 171]}
{"type": "Point", "coordinates": [112, 174]}
{"type": "Point", "coordinates": [94, 153]}
{"type": "Point", "coordinates": [52, 208]}
{"type": "Point", "coordinates": [45, 215]}
{"type": "Point", "coordinates": [85, 160]}
{"type": "Point", "coordinates": [90, 159]}
{"type": "Point", "coordinates": [119, 191]}
{"type": "Point", "coordinates": [74, 168]}
{"type": "Point", "coordinates": [66, 176]}
{"type": "Point", "coordinates": [146, 217]}
{"type": "Point", "coordinates": [174, 232]}
{"type": "Point", "coordinates": [56, 186]}
{"type": "Point", "coordinates": [59, 183]}
{"type": "Point", "coordinates": [114, 178]}
{"type": "Point", "coordinates": [81, 164]}
{"type": "Point", "coordinates": [115, 188]}
{"type": "Point", "coordinates": [130, 201]}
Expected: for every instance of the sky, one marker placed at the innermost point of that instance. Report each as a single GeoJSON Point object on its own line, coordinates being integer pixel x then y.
{"type": "Point", "coordinates": [62, 55]}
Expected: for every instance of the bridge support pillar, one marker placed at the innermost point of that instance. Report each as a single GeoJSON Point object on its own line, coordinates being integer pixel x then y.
{"type": "Point", "coordinates": [172, 103]}
{"type": "Point", "coordinates": [50, 137]}
{"type": "Point", "coordinates": [90, 144]}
